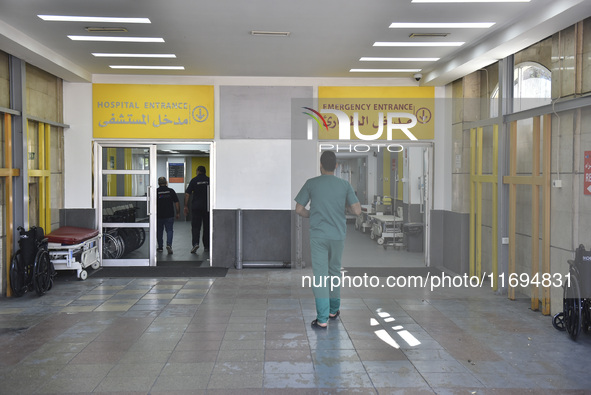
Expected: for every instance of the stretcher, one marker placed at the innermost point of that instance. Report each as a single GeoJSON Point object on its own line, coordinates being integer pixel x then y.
{"type": "Point", "coordinates": [387, 229]}
{"type": "Point", "coordinates": [72, 248]}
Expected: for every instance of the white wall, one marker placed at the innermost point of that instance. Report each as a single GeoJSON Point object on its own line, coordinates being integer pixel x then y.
{"type": "Point", "coordinates": [443, 152]}
{"type": "Point", "coordinates": [305, 159]}
{"type": "Point", "coordinates": [78, 145]}
{"type": "Point", "coordinates": [253, 174]}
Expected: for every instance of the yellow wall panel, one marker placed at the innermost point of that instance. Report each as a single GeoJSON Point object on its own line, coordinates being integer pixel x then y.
{"type": "Point", "coordinates": [195, 163]}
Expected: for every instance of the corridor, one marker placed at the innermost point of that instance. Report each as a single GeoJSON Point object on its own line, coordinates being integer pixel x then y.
{"type": "Point", "coordinates": [249, 333]}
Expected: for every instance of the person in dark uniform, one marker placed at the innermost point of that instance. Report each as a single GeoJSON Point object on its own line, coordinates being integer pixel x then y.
{"type": "Point", "coordinates": [199, 189]}
{"type": "Point", "coordinates": [167, 208]}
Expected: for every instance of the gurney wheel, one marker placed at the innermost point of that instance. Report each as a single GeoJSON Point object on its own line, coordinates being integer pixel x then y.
{"type": "Point", "coordinates": [95, 265]}
{"type": "Point", "coordinates": [83, 275]}
{"type": "Point", "coordinates": [372, 235]}
{"type": "Point", "coordinates": [381, 241]}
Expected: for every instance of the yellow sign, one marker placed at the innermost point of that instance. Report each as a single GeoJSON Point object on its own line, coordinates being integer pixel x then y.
{"type": "Point", "coordinates": [376, 113]}
{"type": "Point", "coordinates": [152, 111]}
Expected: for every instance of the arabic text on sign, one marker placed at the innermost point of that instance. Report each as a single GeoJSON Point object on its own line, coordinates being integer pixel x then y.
{"type": "Point", "coordinates": [145, 120]}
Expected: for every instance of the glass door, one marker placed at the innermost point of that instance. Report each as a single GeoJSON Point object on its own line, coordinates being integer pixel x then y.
{"type": "Point", "coordinates": [125, 184]}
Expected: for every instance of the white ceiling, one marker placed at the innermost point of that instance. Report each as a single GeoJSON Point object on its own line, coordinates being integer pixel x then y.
{"type": "Point", "coordinates": [327, 37]}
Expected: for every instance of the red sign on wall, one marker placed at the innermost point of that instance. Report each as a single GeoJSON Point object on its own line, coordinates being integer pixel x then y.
{"type": "Point", "coordinates": [587, 185]}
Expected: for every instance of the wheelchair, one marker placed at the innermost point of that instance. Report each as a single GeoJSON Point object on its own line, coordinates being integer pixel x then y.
{"type": "Point", "coordinates": [30, 267]}
{"type": "Point", "coordinates": [576, 313]}
{"type": "Point", "coordinates": [118, 242]}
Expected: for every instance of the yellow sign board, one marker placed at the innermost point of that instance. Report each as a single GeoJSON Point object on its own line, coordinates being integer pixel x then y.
{"type": "Point", "coordinates": [152, 111]}
{"type": "Point", "coordinates": [376, 113]}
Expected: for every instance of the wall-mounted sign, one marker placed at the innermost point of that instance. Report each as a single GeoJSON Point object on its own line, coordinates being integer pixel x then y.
{"type": "Point", "coordinates": [152, 111]}
{"type": "Point", "coordinates": [376, 113]}
{"type": "Point", "coordinates": [176, 172]}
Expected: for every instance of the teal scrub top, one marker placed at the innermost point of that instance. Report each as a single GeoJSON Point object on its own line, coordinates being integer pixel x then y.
{"type": "Point", "coordinates": [329, 196]}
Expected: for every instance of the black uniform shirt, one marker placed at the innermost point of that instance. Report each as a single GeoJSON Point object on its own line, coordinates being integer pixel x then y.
{"type": "Point", "coordinates": [198, 186]}
{"type": "Point", "coordinates": [165, 204]}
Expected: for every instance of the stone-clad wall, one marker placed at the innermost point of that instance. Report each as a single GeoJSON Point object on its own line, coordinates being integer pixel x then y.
{"type": "Point", "coordinates": [567, 55]}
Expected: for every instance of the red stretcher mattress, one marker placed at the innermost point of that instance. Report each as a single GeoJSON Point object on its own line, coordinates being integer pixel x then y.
{"type": "Point", "coordinates": [71, 235]}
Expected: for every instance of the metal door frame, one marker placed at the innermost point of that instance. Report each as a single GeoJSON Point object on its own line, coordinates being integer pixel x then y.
{"type": "Point", "coordinates": [150, 191]}
{"type": "Point", "coordinates": [429, 171]}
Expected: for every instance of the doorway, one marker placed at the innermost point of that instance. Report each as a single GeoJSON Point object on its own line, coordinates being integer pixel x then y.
{"type": "Point", "coordinates": [126, 185]}
{"type": "Point", "coordinates": [178, 163]}
{"type": "Point", "coordinates": [394, 189]}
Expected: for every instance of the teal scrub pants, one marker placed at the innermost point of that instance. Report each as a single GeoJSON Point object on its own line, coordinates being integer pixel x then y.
{"type": "Point", "coordinates": [326, 263]}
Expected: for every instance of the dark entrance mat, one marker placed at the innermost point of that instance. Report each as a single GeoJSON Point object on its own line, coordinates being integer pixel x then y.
{"type": "Point", "coordinates": [392, 271]}
{"type": "Point", "coordinates": [178, 269]}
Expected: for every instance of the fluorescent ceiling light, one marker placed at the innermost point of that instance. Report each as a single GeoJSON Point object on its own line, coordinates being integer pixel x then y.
{"type": "Point", "coordinates": [417, 44]}
{"type": "Point", "coordinates": [470, 1]}
{"type": "Point", "coordinates": [66, 18]}
{"type": "Point", "coordinates": [147, 67]}
{"type": "Point", "coordinates": [462, 25]}
{"type": "Point", "coordinates": [370, 59]}
{"type": "Point", "coordinates": [118, 39]}
{"type": "Point", "coordinates": [384, 70]}
{"type": "Point", "coordinates": [134, 55]}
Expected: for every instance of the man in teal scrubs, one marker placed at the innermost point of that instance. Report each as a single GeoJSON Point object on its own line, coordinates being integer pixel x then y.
{"type": "Point", "coordinates": [329, 198]}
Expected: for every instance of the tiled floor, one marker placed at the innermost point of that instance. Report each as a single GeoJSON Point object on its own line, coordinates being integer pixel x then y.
{"type": "Point", "coordinates": [249, 333]}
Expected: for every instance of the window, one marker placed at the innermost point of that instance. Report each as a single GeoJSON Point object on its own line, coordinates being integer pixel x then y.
{"type": "Point", "coordinates": [532, 87]}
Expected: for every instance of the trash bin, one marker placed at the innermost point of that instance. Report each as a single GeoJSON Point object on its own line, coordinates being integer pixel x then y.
{"type": "Point", "coordinates": [413, 236]}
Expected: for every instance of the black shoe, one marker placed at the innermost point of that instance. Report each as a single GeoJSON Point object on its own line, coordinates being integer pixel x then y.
{"type": "Point", "coordinates": [169, 249]}
{"type": "Point", "coordinates": [316, 325]}
{"type": "Point", "coordinates": [334, 317]}
{"type": "Point", "coordinates": [195, 248]}
{"type": "Point", "coordinates": [159, 249]}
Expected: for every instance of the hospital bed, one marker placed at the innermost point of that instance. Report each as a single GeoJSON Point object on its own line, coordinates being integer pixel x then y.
{"type": "Point", "coordinates": [387, 230]}
{"type": "Point", "coordinates": [73, 248]}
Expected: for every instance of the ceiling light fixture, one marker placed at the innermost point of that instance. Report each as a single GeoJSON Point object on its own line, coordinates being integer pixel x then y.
{"type": "Point", "coordinates": [384, 70]}
{"type": "Point", "coordinates": [118, 39]}
{"type": "Point", "coordinates": [147, 67]}
{"type": "Point", "coordinates": [466, 25]}
{"type": "Point", "coordinates": [370, 59]}
{"type": "Point", "coordinates": [269, 33]}
{"type": "Point", "coordinates": [106, 29]}
{"type": "Point", "coordinates": [134, 55]}
{"type": "Point", "coordinates": [417, 44]}
{"type": "Point", "coordinates": [413, 35]}
{"type": "Point", "coordinates": [67, 18]}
